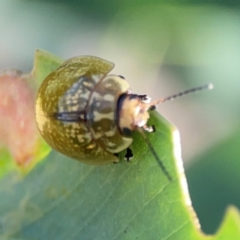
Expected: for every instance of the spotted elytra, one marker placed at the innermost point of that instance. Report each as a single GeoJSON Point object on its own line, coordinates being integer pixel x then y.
{"type": "Point", "coordinates": [88, 115]}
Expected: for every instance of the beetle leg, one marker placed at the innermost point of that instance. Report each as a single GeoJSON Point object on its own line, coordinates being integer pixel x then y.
{"type": "Point", "coordinates": [153, 128]}
{"type": "Point", "coordinates": [129, 155]}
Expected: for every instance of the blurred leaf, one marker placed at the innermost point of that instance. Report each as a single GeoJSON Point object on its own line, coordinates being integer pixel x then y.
{"type": "Point", "coordinates": [105, 9]}
{"type": "Point", "coordinates": [214, 182]}
{"type": "Point", "coordinates": [6, 162]}
{"type": "Point", "coordinates": [64, 199]}
{"type": "Point", "coordinates": [181, 34]}
{"type": "Point", "coordinates": [145, 29]}
{"type": "Point", "coordinates": [21, 146]}
{"type": "Point", "coordinates": [44, 63]}
{"type": "Point", "coordinates": [18, 133]}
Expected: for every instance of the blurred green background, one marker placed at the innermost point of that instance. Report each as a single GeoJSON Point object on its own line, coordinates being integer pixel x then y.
{"type": "Point", "coordinates": [161, 49]}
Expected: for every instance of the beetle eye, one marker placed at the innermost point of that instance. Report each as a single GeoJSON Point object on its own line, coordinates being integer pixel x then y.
{"type": "Point", "coordinates": [152, 108]}
{"type": "Point", "coordinates": [121, 76]}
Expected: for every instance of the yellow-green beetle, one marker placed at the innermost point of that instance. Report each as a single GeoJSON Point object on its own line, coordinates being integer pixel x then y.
{"type": "Point", "coordinates": [88, 115]}
{"type": "Point", "coordinates": [76, 110]}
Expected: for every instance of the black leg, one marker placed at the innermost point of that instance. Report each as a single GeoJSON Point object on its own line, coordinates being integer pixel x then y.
{"type": "Point", "coordinates": [153, 128]}
{"type": "Point", "coordinates": [128, 155]}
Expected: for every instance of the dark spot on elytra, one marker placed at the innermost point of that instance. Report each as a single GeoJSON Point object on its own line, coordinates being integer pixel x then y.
{"type": "Point", "coordinates": [76, 116]}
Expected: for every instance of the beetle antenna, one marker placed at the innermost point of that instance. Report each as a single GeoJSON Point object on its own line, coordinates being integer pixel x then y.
{"type": "Point", "coordinates": [192, 90]}
{"type": "Point", "coordinates": [160, 163]}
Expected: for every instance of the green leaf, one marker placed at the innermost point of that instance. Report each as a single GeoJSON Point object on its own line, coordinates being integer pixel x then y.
{"type": "Point", "coordinates": [122, 200]}
{"type": "Point", "coordinates": [230, 228]}
{"type": "Point", "coordinates": [44, 63]}
{"type": "Point", "coordinates": [64, 199]}
{"type": "Point", "coordinates": [6, 162]}
{"type": "Point", "coordinates": [220, 183]}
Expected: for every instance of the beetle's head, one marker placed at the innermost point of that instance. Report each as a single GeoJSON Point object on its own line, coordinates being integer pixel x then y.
{"type": "Point", "coordinates": [132, 112]}
{"type": "Point", "coordinates": [132, 109]}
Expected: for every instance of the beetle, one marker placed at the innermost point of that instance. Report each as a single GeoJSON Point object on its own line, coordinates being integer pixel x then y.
{"type": "Point", "coordinates": [88, 115]}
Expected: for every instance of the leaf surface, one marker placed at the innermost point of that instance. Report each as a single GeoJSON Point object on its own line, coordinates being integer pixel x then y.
{"type": "Point", "coordinates": [64, 199]}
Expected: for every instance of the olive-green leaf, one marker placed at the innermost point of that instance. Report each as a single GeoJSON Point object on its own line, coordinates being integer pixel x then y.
{"type": "Point", "coordinates": [64, 199]}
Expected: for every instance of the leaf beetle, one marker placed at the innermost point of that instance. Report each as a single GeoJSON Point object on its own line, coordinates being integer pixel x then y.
{"type": "Point", "coordinates": [88, 115]}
